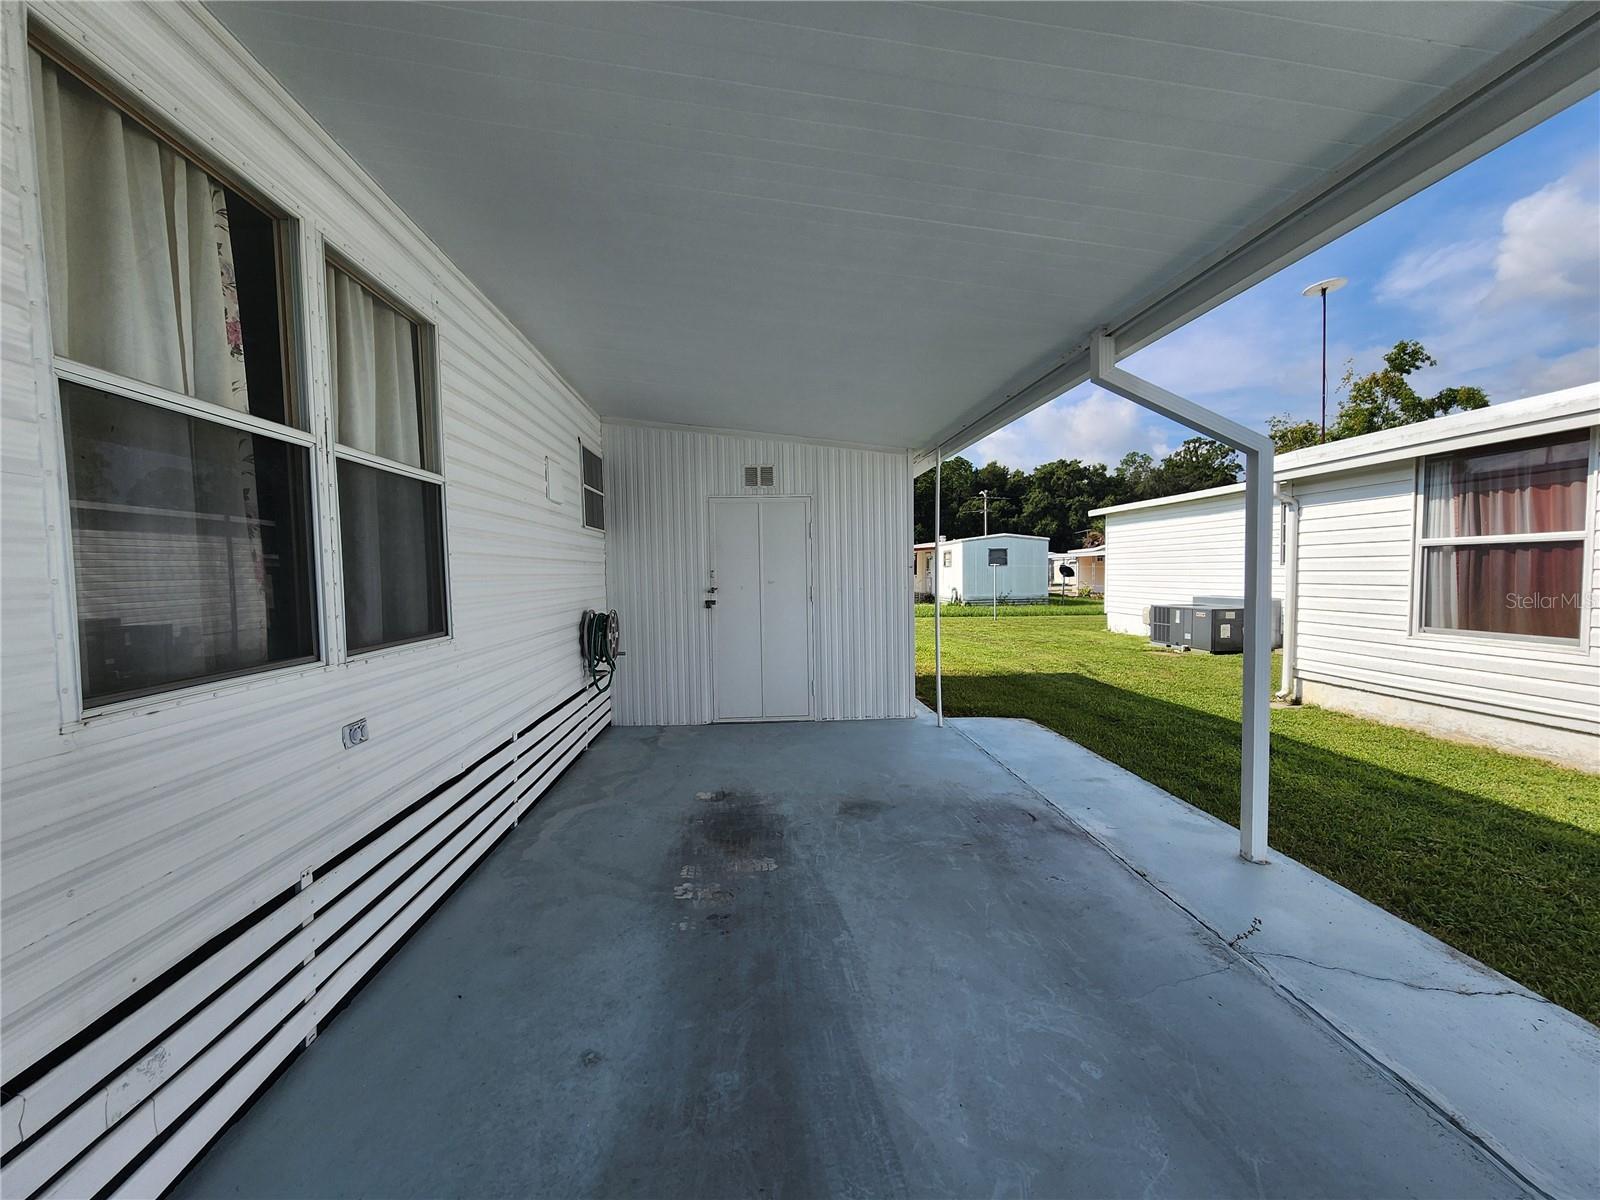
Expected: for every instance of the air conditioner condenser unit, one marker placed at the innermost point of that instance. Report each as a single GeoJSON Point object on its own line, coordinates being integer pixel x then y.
{"type": "Point", "coordinates": [1198, 627]}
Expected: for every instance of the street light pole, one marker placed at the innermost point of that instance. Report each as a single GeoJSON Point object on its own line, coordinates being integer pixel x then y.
{"type": "Point", "coordinates": [985, 494]}
{"type": "Point", "coordinates": [1321, 288]}
{"type": "Point", "coordinates": [1324, 364]}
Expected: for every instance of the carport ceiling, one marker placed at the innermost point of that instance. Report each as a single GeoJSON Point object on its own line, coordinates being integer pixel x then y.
{"type": "Point", "coordinates": [862, 222]}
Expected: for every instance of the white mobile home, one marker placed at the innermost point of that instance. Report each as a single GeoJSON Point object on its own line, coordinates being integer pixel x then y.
{"type": "Point", "coordinates": [1155, 559]}
{"type": "Point", "coordinates": [1054, 562]}
{"type": "Point", "coordinates": [968, 575]}
{"type": "Point", "coordinates": [922, 571]}
{"type": "Point", "coordinates": [1088, 567]}
{"type": "Point", "coordinates": [1441, 575]}
{"type": "Point", "coordinates": [355, 357]}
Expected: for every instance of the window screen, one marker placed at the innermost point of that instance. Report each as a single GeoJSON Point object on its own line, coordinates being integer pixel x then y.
{"type": "Point", "coordinates": [191, 545]}
{"type": "Point", "coordinates": [390, 528]}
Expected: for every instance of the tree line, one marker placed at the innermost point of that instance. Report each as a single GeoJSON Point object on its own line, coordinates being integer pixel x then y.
{"type": "Point", "coordinates": [1055, 499]}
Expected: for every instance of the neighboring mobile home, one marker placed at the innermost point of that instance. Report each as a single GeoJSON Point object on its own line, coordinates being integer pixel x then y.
{"type": "Point", "coordinates": [1088, 566]}
{"type": "Point", "coordinates": [299, 523]}
{"type": "Point", "coordinates": [922, 572]}
{"type": "Point", "coordinates": [1441, 575]}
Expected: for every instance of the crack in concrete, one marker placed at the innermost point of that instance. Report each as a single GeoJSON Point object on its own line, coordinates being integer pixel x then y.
{"type": "Point", "coordinates": [1406, 983]}
{"type": "Point", "coordinates": [1176, 982]}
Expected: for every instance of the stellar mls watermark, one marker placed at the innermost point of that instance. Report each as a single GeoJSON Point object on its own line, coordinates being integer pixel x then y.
{"type": "Point", "coordinates": [1544, 601]}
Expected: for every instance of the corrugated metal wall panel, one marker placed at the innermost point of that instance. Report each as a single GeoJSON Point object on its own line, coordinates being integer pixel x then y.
{"type": "Point", "coordinates": [659, 483]}
{"type": "Point", "coordinates": [131, 839]}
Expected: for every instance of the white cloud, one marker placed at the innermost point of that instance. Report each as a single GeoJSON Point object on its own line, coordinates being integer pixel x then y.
{"type": "Point", "coordinates": [1550, 243]}
{"type": "Point", "coordinates": [1570, 370]}
{"type": "Point", "coordinates": [1459, 267]}
{"type": "Point", "coordinates": [1546, 247]}
{"type": "Point", "coordinates": [1516, 312]}
{"type": "Point", "coordinates": [1243, 355]}
{"type": "Point", "coordinates": [1087, 424]}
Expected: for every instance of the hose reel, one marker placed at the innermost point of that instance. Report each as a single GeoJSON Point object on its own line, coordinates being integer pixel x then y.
{"type": "Point", "coordinates": [600, 641]}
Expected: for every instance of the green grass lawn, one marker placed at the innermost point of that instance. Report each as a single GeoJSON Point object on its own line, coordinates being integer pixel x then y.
{"type": "Point", "coordinates": [1496, 854]}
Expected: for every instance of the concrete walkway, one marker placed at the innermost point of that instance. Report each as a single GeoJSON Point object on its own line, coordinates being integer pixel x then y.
{"type": "Point", "coordinates": [825, 960]}
{"type": "Point", "coordinates": [1522, 1074]}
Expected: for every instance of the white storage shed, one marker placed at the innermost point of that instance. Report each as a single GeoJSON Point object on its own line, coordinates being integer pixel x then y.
{"type": "Point", "coordinates": [1441, 575]}
{"type": "Point", "coordinates": [968, 576]}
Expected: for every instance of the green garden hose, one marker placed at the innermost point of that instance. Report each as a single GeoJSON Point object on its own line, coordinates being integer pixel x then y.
{"type": "Point", "coordinates": [600, 638]}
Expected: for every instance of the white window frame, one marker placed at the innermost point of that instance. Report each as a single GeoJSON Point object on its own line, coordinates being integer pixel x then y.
{"type": "Point", "coordinates": [1479, 638]}
{"type": "Point", "coordinates": [584, 489]}
{"type": "Point", "coordinates": [331, 253]}
{"type": "Point", "coordinates": [300, 402]}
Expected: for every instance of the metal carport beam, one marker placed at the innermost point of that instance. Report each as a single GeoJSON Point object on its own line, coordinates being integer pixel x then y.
{"type": "Point", "coordinates": [1258, 501]}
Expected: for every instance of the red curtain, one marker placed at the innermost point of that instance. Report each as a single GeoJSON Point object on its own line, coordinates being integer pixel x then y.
{"type": "Point", "coordinates": [1533, 590]}
{"type": "Point", "coordinates": [1527, 489]}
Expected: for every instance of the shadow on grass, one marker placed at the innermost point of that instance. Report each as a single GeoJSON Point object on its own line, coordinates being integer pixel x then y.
{"type": "Point", "coordinates": [1512, 888]}
{"type": "Point", "coordinates": [1014, 612]}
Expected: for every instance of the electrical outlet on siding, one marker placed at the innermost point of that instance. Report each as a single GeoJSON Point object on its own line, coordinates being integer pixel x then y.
{"type": "Point", "coordinates": [354, 733]}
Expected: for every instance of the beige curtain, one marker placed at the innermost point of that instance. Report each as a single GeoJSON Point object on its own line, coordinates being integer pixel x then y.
{"type": "Point", "coordinates": [374, 366]}
{"type": "Point", "coordinates": [139, 260]}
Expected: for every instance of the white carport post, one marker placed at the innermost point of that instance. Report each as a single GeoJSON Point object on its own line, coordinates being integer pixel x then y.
{"type": "Point", "coordinates": [1258, 501]}
{"type": "Point", "coordinates": [938, 631]}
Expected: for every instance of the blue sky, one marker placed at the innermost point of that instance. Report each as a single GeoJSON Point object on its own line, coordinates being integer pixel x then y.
{"type": "Point", "coordinates": [1495, 269]}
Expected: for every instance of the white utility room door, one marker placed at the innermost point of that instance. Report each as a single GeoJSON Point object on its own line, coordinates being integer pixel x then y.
{"type": "Point", "coordinates": [760, 623]}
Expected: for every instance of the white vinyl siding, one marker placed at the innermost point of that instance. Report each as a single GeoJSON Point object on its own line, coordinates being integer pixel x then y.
{"type": "Point", "coordinates": [1174, 553]}
{"type": "Point", "coordinates": [659, 483]}
{"type": "Point", "coordinates": [1356, 606]}
{"type": "Point", "coordinates": [132, 838]}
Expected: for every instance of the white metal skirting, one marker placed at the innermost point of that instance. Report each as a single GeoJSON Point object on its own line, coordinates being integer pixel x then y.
{"type": "Point", "coordinates": [133, 1102]}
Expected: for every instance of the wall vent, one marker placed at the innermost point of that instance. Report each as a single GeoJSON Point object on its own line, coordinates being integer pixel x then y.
{"type": "Point", "coordinates": [759, 476]}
